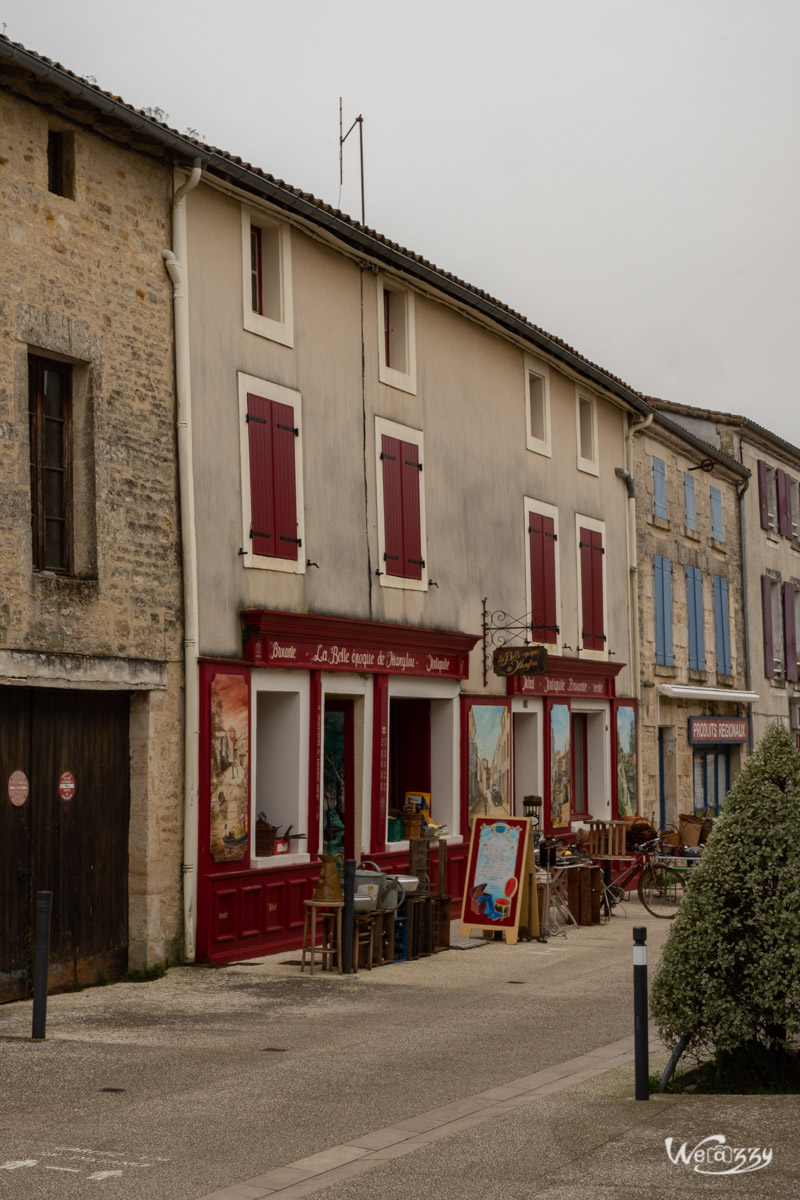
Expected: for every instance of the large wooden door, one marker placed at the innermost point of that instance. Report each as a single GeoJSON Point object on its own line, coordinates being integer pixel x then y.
{"type": "Point", "coordinates": [67, 838]}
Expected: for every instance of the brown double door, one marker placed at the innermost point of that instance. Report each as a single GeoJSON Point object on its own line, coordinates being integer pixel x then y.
{"type": "Point", "coordinates": [67, 838]}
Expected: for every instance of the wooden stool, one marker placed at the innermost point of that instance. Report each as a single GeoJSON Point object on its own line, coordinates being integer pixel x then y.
{"type": "Point", "coordinates": [363, 927]}
{"type": "Point", "coordinates": [329, 913]}
{"type": "Point", "coordinates": [607, 838]}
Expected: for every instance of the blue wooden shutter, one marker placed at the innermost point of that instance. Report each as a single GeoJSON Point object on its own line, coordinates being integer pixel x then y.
{"type": "Point", "coordinates": [717, 531]}
{"type": "Point", "coordinates": [659, 488]}
{"type": "Point", "coordinates": [694, 608]}
{"type": "Point", "coordinates": [662, 570]}
{"type": "Point", "coordinates": [763, 493]}
{"type": "Point", "coordinates": [722, 625]}
{"type": "Point", "coordinates": [688, 495]}
{"type": "Point", "coordinates": [766, 625]}
{"type": "Point", "coordinates": [789, 632]}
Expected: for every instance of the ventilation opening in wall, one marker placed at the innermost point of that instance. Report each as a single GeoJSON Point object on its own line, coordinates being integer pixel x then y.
{"type": "Point", "coordinates": [61, 163]}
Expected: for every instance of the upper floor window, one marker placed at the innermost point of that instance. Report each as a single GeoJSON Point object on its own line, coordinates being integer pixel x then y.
{"type": "Point", "coordinates": [61, 163]}
{"type": "Point", "coordinates": [267, 277]}
{"type": "Point", "coordinates": [272, 496]}
{"type": "Point", "coordinates": [659, 487]}
{"type": "Point", "coordinates": [401, 506]}
{"type": "Point", "coordinates": [690, 507]}
{"type": "Point", "coordinates": [592, 591]}
{"type": "Point", "coordinates": [773, 617]}
{"type": "Point", "coordinates": [397, 363]}
{"type": "Point", "coordinates": [537, 406]}
{"type": "Point", "coordinates": [50, 420]}
{"type": "Point", "coordinates": [541, 523]}
{"type": "Point", "coordinates": [766, 495]}
{"type": "Point", "coordinates": [722, 625]}
{"type": "Point", "coordinates": [717, 530]}
{"type": "Point", "coordinates": [586, 412]}
{"type": "Point", "coordinates": [786, 490]}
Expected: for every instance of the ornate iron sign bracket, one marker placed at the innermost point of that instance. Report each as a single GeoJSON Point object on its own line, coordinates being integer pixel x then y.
{"type": "Point", "coordinates": [501, 629]}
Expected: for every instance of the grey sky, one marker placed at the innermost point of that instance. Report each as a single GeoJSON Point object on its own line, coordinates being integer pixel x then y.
{"type": "Point", "coordinates": [624, 174]}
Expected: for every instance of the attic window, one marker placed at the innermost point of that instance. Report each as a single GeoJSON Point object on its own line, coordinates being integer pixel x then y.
{"type": "Point", "coordinates": [61, 164]}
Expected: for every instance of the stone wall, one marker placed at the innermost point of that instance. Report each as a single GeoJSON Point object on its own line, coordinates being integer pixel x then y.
{"type": "Point", "coordinates": [84, 282]}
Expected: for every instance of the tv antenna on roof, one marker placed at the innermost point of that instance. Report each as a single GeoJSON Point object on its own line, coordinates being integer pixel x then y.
{"type": "Point", "coordinates": [359, 121]}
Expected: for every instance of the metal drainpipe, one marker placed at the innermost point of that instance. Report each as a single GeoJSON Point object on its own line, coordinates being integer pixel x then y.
{"type": "Point", "coordinates": [633, 572]}
{"type": "Point", "coordinates": [175, 261]}
{"type": "Point", "coordinates": [741, 488]}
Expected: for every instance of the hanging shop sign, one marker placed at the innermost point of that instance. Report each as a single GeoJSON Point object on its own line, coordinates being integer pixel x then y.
{"type": "Point", "coordinates": [18, 788]}
{"type": "Point", "coordinates": [704, 730]}
{"type": "Point", "coordinates": [520, 660]}
{"type": "Point", "coordinates": [66, 786]}
{"type": "Point", "coordinates": [364, 647]}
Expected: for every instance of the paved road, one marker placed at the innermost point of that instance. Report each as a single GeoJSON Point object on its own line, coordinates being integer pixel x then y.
{"type": "Point", "coordinates": [210, 1077]}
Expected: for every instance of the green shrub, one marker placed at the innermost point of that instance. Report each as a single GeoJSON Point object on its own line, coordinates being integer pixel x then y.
{"type": "Point", "coordinates": [146, 975]}
{"type": "Point", "coordinates": [729, 977]}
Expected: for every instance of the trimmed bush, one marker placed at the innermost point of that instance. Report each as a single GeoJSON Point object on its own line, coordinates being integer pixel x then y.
{"type": "Point", "coordinates": [729, 977]}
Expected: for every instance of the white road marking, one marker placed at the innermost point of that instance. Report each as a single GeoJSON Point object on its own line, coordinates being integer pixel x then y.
{"type": "Point", "coordinates": [74, 1170]}
{"type": "Point", "coordinates": [14, 1165]}
{"type": "Point", "coordinates": [104, 1174]}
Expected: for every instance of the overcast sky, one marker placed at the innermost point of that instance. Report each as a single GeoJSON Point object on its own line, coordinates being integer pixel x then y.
{"type": "Point", "coordinates": [625, 174]}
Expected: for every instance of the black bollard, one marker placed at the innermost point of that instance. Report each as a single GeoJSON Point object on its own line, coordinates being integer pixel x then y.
{"type": "Point", "coordinates": [347, 915]}
{"type": "Point", "coordinates": [641, 1034]}
{"type": "Point", "coordinates": [44, 904]}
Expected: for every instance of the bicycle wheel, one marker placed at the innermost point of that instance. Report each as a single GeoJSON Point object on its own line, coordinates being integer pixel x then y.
{"type": "Point", "coordinates": [661, 890]}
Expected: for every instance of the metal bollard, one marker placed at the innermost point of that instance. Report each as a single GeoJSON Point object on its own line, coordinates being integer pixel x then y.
{"type": "Point", "coordinates": [346, 948]}
{"type": "Point", "coordinates": [641, 1034]}
{"type": "Point", "coordinates": [44, 905]}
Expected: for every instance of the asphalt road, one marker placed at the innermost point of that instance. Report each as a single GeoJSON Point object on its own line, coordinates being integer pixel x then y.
{"type": "Point", "coordinates": [212, 1076]}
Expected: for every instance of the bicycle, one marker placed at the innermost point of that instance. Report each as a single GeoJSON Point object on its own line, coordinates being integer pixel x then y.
{"type": "Point", "coordinates": [660, 888]}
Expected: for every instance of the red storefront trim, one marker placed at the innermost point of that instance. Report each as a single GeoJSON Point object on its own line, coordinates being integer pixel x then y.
{"type": "Point", "coordinates": [568, 677]}
{"type": "Point", "coordinates": [380, 763]}
{"type": "Point", "coordinates": [298, 640]}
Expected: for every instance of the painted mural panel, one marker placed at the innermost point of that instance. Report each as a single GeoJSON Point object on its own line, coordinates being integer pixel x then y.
{"type": "Point", "coordinates": [626, 761]}
{"type": "Point", "coordinates": [560, 766]}
{"type": "Point", "coordinates": [489, 761]}
{"type": "Point", "coordinates": [230, 726]}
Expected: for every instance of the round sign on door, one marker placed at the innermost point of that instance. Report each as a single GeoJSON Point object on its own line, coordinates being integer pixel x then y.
{"type": "Point", "coordinates": [18, 788]}
{"type": "Point", "coordinates": [66, 786]}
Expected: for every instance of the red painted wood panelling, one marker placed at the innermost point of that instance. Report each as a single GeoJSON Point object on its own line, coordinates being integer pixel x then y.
{"type": "Point", "coordinates": [224, 924]}
{"type": "Point", "coordinates": [250, 901]}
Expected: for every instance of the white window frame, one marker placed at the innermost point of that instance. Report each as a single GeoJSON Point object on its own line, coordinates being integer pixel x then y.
{"type": "Point", "coordinates": [274, 683]}
{"type": "Point", "coordinates": [282, 330]}
{"type": "Point", "coordinates": [778, 636]}
{"type": "Point", "coordinates": [404, 381]}
{"type": "Point", "coordinates": [597, 527]}
{"type": "Point", "coordinates": [542, 371]}
{"type": "Point", "coordinates": [405, 433]}
{"type": "Point", "coordinates": [590, 465]}
{"type": "Point", "coordinates": [283, 395]}
{"type": "Point", "coordinates": [544, 510]}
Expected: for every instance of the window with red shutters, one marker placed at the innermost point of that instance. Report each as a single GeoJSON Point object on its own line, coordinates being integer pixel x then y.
{"type": "Point", "coordinates": [401, 469]}
{"type": "Point", "coordinates": [542, 540]}
{"type": "Point", "coordinates": [271, 433]}
{"type": "Point", "coordinates": [592, 552]}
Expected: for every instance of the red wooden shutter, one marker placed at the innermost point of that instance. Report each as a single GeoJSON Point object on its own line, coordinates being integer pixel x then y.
{"type": "Point", "coordinates": [766, 620]}
{"type": "Point", "coordinates": [273, 492]}
{"type": "Point", "coordinates": [789, 632]}
{"type": "Point", "coordinates": [284, 433]}
{"type": "Point", "coordinates": [591, 548]}
{"type": "Point", "coordinates": [411, 472]}
{"type": "Point", "coordinates": [392, 506]}
{"type": "Point", "coordinates": [780, 487]}
{"type": "Point", "coordinates": [262, 510]}
{"type": "Point", "coordinates": [542, 539]}
{"type": "Point", "coordinates": [763, 494]}
{"type": "Point", "coordinates": [598, 624]}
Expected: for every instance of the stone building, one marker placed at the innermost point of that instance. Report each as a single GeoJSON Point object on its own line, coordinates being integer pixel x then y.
{"type": "Point", "coordinates": [91, 678]}
{"type": "Point", "coordinates": [695, 694]}
{"type": "Point", "coordinates": [770, 519]}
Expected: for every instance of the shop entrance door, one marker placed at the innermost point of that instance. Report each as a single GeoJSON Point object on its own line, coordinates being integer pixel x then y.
{"type": "Point", "coordinates": [712, 778]}
{"type": "Point", "coordinates": [338, 833]}
{"type": "Point", "coordinates": [409, 750]}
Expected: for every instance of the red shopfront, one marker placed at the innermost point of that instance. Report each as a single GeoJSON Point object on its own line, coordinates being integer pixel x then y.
{"type": "Point", "coordinates": [586, 741]}
{"type": "Point", "coordinates": [322, 728]}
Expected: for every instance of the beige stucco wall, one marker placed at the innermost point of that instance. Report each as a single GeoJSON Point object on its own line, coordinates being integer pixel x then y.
{"type": "Point", "coordinates": [84, 280]}
{"type": "Point", "coordinates": [671, 539]}
{"type": "Point", "coordinates": [470, 406]}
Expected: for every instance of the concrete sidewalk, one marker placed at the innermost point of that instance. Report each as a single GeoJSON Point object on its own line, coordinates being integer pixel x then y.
{"type": "Point", "coordinates": [498, 1070]}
